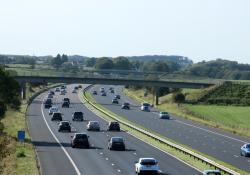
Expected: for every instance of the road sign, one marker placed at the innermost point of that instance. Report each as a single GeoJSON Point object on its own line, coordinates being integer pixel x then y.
{"type": "Point", "coordinates": [20, 136]}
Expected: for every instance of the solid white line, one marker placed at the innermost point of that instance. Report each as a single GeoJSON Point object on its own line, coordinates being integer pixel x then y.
{"type": "Point", "coordinates": [178, 121]}
{"type": "Point", "coordinates": [64, 150]}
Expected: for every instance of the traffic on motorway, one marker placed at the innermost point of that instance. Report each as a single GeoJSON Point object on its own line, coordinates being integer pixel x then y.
{"type": "Point", "coordinates": [223, 146]}
{"type": "Point", "coordinates": [101, 145]}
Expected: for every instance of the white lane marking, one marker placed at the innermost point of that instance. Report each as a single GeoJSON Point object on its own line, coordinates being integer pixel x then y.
{"type": "Point", "coordinates": [61, 146]}
{"type": "Point", "coordinates": [236, 156]}
{"type": "Point", "coordinates": [178, 121]}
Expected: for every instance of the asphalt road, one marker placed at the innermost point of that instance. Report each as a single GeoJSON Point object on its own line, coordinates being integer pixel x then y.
{"type": "Point", "coordinates": [213, 142]}
{"type": "Point", "coordinates": [57, 157]}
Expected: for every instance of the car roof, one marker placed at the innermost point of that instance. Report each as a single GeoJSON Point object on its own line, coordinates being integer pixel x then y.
{"type": "Point", "coordinates": [80, 133]}
{"type": "Point", "coordinates": [116, 138]}
{"type": "Point", "coordinates": [64, 121]}
{"type": "Point", "coordinates": [93, 121]}
{"type": "Point", "coordinates": [147, 158]}
{"type": "Point", "coordinates": [211, 171]}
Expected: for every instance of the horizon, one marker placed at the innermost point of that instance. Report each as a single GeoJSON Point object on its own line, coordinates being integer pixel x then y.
{"type": "Point", "coordinates": [205, 30]}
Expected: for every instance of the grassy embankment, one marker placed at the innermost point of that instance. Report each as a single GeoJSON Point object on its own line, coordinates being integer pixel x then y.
{"type": "Point", "coordinates": [235, 119]}
{"type": "Point", "coordinates": [20, 158]}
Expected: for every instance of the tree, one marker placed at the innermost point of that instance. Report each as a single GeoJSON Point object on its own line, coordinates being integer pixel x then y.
{"type": "Point", "coordinates": [104, 63]}
{"type": "Point", "coordinates": [178, 97]}
{"type": "Point", "coordinates": [57, 61]}
{"type": "Point", "coordinates": [159, 66]}
{"type": "Point", "coordinates": [9, 90]}
{"type": "Point", "coordinates": [90, 62]}
{"type": "Point", "coordinates": [64, 58]}
{"type": "Point", "coordinates": [122, 63]}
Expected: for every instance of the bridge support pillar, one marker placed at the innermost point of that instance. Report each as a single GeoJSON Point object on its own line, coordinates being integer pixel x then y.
{"type": "Point", "coordinates": [156, 95]}
{"type": "Point", "coordinates": [23, 91]}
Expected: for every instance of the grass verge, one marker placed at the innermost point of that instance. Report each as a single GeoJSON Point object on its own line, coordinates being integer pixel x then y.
{"type": "Point", "coordinates": [183, 157]}
{"type": "Point", "coordinates": [20, 158]}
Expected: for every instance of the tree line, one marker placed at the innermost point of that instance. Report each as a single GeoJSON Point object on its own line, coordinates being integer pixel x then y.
{"type": "Point", "coordinates": [221, 69]}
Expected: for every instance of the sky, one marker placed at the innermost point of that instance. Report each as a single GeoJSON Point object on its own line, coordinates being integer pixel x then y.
{"type": "Point", "coordinates": [198, 29]}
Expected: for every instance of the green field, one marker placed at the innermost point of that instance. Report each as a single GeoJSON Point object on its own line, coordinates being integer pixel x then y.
{"type": "Point", "coordinates": [233, 116]}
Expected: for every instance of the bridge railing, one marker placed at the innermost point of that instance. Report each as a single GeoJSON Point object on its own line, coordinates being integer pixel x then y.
{"type": "Point", "coordinates": [115, 75]}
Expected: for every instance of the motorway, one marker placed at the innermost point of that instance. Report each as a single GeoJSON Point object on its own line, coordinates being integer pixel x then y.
{"type": "Point", "coordinates": [213, 142]}
{"type": "Point", "coordinates": [56, 156]}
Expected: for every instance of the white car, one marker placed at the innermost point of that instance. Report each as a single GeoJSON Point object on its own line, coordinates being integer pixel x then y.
{"type": "Point", "coordinates": [93, 126]}
{"type": "Point", "coordinates": [147, 165]}
{"type": "Point", "coordinates": [211, 172]}
{"type": "Point", "coordinates": [53, 109]}
{"type": "Point", "coordinates": [145, 107]}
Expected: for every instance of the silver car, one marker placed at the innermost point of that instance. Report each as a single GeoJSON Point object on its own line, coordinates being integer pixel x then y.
{"type": "Point", "coordinates": [93, 126]}
{"type": "Point", "coordinates": [245, 150]}
{"type": "Point", "coordinates": [211, 172]}
{"type": "Point", "coordinates": [164, 115]}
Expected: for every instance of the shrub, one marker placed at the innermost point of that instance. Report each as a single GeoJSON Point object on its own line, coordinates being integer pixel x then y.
{"type": "Point", "coordinates": [178, 97]}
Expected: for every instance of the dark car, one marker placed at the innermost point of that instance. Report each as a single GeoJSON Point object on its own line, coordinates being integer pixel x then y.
{"type": "Point", "coordinates": [116, 143]}
{"type": "Point", "coordinates": [76, 87]}
{"type": "Point", "coordinates": [66, 99]}
{"type": "Point", "coordinates": [113, 126]}
{"type": "Point", "coordinates": [115, 100]}
{"type": "Point", "coordinates": [125, 106]}
{"type": "Point", "coordinates": [80, 140]}
{"type": "Point", "coordinates": [118, 96]}
{"type": "Point", "coordinates": [112, 91]}
{"type": "Point", "coordinates": [64, 126]}
{"type": "Point", "coordinates": [65, 104]}
{"type": "Point", "coordinates": [63, 87]}
{"type": "Point", "coordinates": [52, 92]}
{"type": "Point", "coordinates": [77, 116]}
{"type": "Point", "coordinates": [79, 86]}
{"type": "Point", "coordinates": [94, 92]}
{"type": "Point", "coordinates": [103, 94]}
{"type": "Point", "coordinates": [48, 103]}
{"type": "Point", "coordinates": [56, 116]}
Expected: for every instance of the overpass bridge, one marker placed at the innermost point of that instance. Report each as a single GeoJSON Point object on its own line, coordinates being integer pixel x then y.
{"type": "Point", "coordinates": [111, 79]}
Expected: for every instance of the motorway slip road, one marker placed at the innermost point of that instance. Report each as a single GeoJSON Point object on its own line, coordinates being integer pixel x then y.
{"type": "Point", "coordinates": [218, 144]}
{"type": "Point", "coordinates": [57, 157]}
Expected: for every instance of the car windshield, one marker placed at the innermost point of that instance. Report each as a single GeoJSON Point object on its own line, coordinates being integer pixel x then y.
{"type": "Point", "coordinates": [117, 139]}
{"type": "Point", "coordinates": [248, 146]}
{"type": "Point", "coordinates": [93, 123]}
{"type": "Point", "coordinates": [65, 123]}
{"type": "Point", "coordinates": [148, 162]}
{"type": "Point", "coordinates": [77, 114]}
{"type": "Point", "coordinates": [213, 173]}
{"type": "Point", "coordinates": [145, 104]}
{"type": "Point", "coordinates": [81, 136]}
{"type": "Point", "coordinates": [126, 104]}
{"type": "Point", "coordinates": [164, 112]}
{"type": "Point", "coordinates": [57, 114]}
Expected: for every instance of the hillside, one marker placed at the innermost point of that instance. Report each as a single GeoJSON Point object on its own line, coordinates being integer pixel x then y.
{"type": "Point", "coordinates": [228, 93]}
